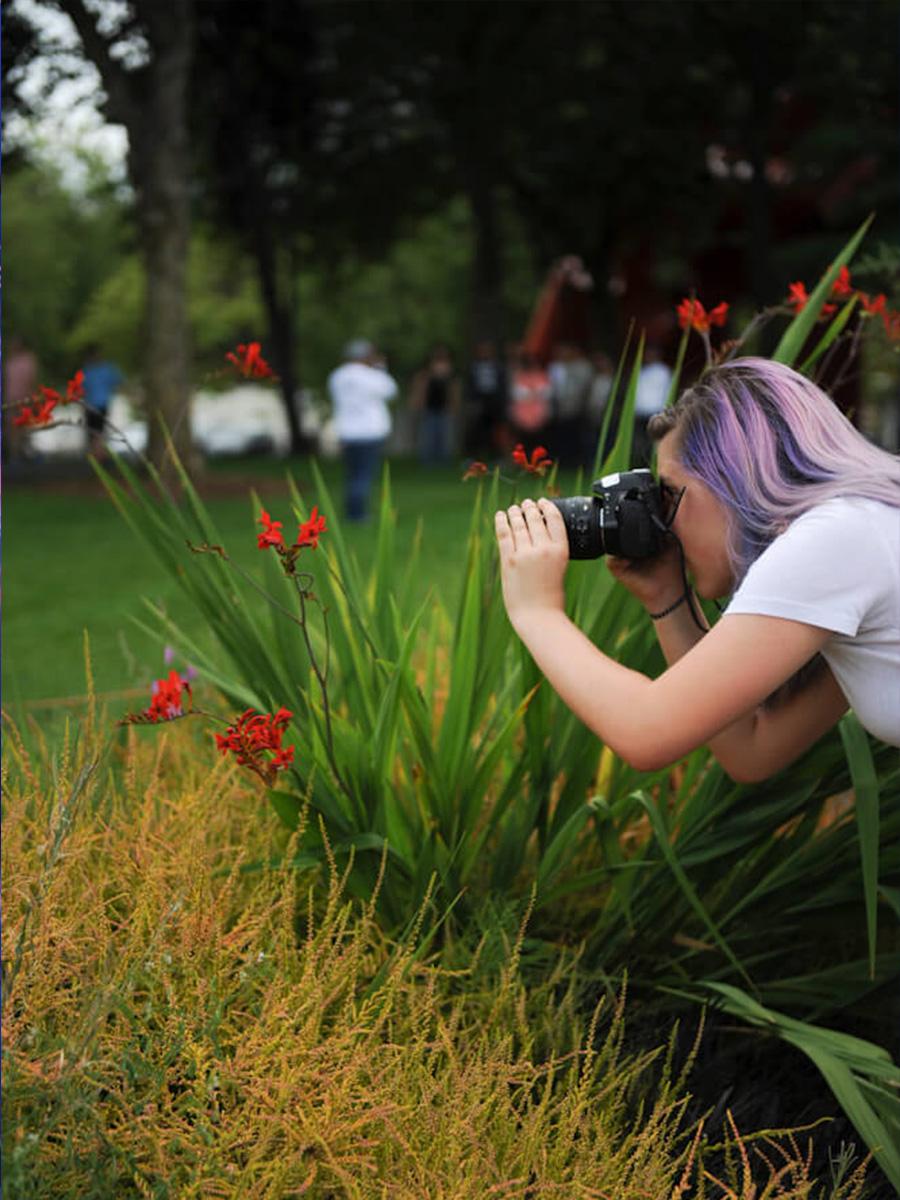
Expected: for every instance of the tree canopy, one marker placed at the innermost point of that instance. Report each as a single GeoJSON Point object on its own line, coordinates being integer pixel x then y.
{"type": "Point", "coordinates": [671, 145]}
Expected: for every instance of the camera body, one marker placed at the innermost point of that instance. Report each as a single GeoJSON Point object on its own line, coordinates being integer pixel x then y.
{"type": "Point", "coordinates": [623, 517]}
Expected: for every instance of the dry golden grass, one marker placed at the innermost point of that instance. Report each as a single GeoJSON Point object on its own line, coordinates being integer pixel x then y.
{"type": "Point", "coordinates": [175, 1027]}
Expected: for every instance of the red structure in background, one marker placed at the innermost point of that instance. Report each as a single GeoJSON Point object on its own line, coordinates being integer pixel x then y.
{"type": "Point", "coordinates": [562, 312]}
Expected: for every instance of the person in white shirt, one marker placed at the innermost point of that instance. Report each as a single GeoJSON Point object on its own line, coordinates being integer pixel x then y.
{"type": "Point", "coordinates": [360, 392]}
{"type": "Point", "coordinates": [773, 498]}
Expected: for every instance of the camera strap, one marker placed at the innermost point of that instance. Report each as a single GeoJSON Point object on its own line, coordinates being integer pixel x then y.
{"type": "Point", "coordinates": [665, 527]}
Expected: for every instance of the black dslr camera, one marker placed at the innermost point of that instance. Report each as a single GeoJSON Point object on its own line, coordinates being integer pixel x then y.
{"type": "Point", "coordinates": [624, 517]}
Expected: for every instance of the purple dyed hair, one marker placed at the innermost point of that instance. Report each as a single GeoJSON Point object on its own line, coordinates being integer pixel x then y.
{"type": "Point", "coordinates": [770, 445]}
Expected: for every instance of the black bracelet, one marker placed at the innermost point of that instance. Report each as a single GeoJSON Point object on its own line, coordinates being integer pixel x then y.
{"type": "Point", "coordinates": [665, 612]}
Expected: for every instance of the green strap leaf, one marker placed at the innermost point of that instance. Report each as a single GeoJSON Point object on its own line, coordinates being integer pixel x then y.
{"type": "Point", "coordinates": [861, 1075]}
{"type": "Point", "coordinates": [830, 336]}
{"type": "Point", "coordinates": [662, 837]}
{"type": "Point", "coordinates": [792, 340]}
{"type": "Point", "coordinates": [865, 784]}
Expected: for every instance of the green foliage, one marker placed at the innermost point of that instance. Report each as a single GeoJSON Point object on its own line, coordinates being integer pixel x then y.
{"type": "Point", "coordinates": [112, 316]}
{"type": "Point", "coordinates": [223, 307]}
{"type": "Point", "coordinates": [862, 1076]}
{"type": "Point", "coordinates": [58, 249]}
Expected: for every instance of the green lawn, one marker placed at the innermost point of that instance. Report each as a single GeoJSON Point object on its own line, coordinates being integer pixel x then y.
{"type": "Point", "coordinates": [72, 565]}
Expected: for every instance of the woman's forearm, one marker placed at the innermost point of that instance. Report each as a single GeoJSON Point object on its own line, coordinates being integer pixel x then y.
{"type": "Point", "coordinates": [761, 741]}
{"type": "Point", "coordinates": [646, 723]}
{"type": "Point", "coordinates": [737, 747]}
{"type": "Point", "coordinates": [601, 692]}
{"type": "Point", "coordinates": [678, 632]}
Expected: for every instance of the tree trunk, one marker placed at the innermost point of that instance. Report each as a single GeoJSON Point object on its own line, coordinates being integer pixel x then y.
{"type": "Point", "coordinates": [160, 167]}
{"type": "Point", "coordinates": [151, 102]}
{"type": "Point", "coordinates": [281, 321]}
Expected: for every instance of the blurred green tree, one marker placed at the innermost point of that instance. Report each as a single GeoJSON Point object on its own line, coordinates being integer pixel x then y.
{"type": "Point", "coordinates": [223, 305]}
{"type": "Point", "coordinates": [58, 249]}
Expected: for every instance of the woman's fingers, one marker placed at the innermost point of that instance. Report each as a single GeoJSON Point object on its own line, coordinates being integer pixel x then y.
{"type": "Point", "coordinates": [553, 521]}
{"type": "Point", "coordinates": [505, 539]}
{"type": "Point", "coordinates": [534, 520]}
{"type": "Point", "coordinates": [518, 525]}
{"type": "Point", "coordinates": [531, 523]}
{"type": "Point", "coordinates": [512, 532]}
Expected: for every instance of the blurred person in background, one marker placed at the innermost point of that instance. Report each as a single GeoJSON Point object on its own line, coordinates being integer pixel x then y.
{"type": "Point", "coordinates": [487, 397]}
{"type": "Point", "coordinates": [102, 378]}
{"type": "Point", "coordinates": [360, 391]}
{"type": "Point", "coordinates": [529, 399]}
{"type": "Point", "coordinates": [435, 397]}
{"type": "Point", "coordinates": [20, 371]}
{"type": "Point", "coordinates": [654, 381]}
{"type": "Point", "coordinates": [571, 375]}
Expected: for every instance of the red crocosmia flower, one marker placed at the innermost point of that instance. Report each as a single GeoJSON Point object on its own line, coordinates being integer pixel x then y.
{"type": "Point", "coordinates": [271, 532]}
{"type": "Point", "coordinates": [310, 530]}
{"type": "Point", "coordinates": [538, 464]}
{"type": "Point", "coordinates": [253, 738]}
{"type": "Point", "coordinates": [798, 298]}
{"type": "Point", "coordinates": [873, 306]}
{"type": "Point", "coordinates": [249, 362]}
{"type": "Point", "coordinates": [692, 315]}
{"type": "Point", "coordinates": [75, 388]}
{"type": "Point", "coordinates": [841, 287]}
{"type": "Point", "coordinates": [25, 416]}
{"type": "Point", "coordinates": [40, 410]}
{"type": "Point", "coordinates": [166, 702]}
{"type": "Point", "coordinates": [475, 470]}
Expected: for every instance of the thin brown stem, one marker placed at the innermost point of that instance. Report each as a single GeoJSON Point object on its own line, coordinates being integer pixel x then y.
{"type": "Point", "coordinates": [245, 574]}
{"type": "Point", "coordinates": [303, 595]}
{"type": "Point", "coordinates": [850, 358]}
{"type": "Point", "coordinates": [758, 321]}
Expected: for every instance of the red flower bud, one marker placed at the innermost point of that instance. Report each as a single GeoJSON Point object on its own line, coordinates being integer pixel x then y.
{"type": "Point", "coordinates": [537, 464]}
{"type": "Point", "coordinates": [308, 534]}
{"type": "Point", "coordinates": [248, 361]}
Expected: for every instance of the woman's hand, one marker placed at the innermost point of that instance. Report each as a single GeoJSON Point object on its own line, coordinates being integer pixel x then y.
{"type": "Point", "coordinates": [534, 552]}
{"type": "Point", "coordinates": [655, 582]}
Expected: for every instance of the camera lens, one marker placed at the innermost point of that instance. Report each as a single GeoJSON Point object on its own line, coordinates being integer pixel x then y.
{"type": "Point", "coordinates": [582, 518]}
{"type": "Point", "coordinates": [622, 517]}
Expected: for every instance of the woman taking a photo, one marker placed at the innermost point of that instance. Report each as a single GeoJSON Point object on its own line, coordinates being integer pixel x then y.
{"type": "Point", "coordinates": [777, 501]}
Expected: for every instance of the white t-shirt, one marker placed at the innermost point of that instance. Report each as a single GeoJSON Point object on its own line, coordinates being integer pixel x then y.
{"type": "Point", "coordinates": [359, 394]}
{"type": "Point", "coordinates": [838, 567]}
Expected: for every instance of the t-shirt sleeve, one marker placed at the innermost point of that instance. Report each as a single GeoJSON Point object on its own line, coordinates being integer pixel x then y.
{"type": "Point", "coordinates": [824, 570]}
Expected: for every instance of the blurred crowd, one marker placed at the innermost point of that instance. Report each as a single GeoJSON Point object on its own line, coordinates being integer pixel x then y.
{"type": "Point", "coordinates": [500, 399]}
{"type": "Point", "coordinates": [480, 411]}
